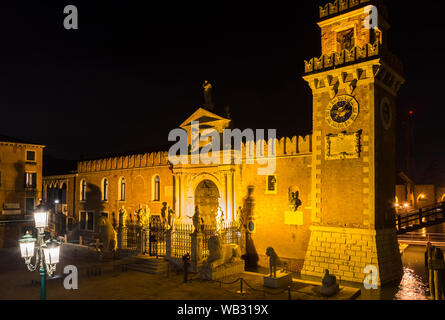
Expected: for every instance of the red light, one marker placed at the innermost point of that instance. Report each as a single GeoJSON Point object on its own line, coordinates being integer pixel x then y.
{"type": "Point", "coordinates": [411, 112]}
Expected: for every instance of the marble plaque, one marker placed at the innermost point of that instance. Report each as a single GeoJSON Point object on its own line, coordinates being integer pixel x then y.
{"type": "Point", "coordinates": [293, 218]}
{"type": "Point", "coordinates": [343, 146]}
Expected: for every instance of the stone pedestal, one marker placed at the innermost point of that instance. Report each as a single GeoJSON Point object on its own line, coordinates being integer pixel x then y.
{"type": "Point", "coordinates": [222, 271]}
{"type": "Point", "coordinates": [196, 251]}
{"type": "Point", "coordinates": [283, 279]}
{"type": "Point", "coordinates": [345, 252]}
{"type": "Point", "coordinates": [168, 243]}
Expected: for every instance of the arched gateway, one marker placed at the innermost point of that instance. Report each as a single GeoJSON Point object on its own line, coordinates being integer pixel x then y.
{"type": "Point", "coordinates": [207, 199]}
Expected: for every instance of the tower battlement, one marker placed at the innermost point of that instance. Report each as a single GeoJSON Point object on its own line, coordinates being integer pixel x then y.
{"type": "Point", "coordinates": [341, 6]}
{"type": "Point", "coordinates": [355, 55]}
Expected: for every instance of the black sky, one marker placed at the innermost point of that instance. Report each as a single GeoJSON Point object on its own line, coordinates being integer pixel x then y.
{"type": "Point", "coordinates": [133, 70]}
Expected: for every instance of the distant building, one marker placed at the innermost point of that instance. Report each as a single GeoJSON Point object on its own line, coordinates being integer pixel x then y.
{"type": "Point", "coordinates": [411, 196]}
{"type": "Point", "coordinates": [20, 186]}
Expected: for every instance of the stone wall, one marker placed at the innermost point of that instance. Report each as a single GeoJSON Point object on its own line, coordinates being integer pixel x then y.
{"type": "Point", "coordinates": [346, 252]}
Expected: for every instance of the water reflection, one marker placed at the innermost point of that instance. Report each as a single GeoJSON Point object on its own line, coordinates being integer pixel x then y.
{"type": "Point", "coordinates": [412, 286]}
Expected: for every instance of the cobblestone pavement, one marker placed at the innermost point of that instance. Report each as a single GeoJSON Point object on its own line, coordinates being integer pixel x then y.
{"type": "Point", "coordinates": [115, 284]}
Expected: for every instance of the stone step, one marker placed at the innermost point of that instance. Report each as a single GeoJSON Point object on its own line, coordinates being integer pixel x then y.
{"type": "Point", "coordinates": [147, 268]}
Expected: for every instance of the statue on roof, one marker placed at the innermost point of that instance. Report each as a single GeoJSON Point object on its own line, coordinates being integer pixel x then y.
{"type": "Point", "coordinates": [208, 103]}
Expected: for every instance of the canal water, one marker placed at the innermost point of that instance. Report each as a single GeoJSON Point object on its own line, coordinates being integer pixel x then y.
{"type": "Point", "coordinates": [413, 285]}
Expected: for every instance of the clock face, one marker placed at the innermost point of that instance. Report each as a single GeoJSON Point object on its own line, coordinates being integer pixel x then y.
{"type": "Point", "coordinates": [341, 111]}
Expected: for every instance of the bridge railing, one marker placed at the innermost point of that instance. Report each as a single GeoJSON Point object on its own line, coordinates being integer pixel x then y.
{"type": "Point", "coordinates": [418, 237]}
{"type": "Point", "coordinates": [421, 216]}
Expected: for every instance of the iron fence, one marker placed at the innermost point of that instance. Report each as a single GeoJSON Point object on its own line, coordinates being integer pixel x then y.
{"type": "Point", "coordinates": [131, 237]}
{"type": "Point", "coordinates": [157, 239]}
{"type": "Point", "coordinates": [181, 242]}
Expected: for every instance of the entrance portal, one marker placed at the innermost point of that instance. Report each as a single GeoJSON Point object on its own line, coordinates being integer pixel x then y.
{"type": "Point", "coordinates": [206, 198]}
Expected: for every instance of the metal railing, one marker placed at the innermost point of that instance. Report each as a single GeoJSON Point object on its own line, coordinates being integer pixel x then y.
{"type": "Point", "coordinates": [421, 218]}
{"type": "Point", "coordinates": [424, 238]}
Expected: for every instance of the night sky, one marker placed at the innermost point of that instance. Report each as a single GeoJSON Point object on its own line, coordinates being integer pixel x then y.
{"type": "Point", "coordinates": [133, 71]}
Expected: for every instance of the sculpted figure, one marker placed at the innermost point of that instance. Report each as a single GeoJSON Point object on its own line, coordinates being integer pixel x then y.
{"type": "Point", "coordinates": [329, 285]}
{"type": "Point", "coordinates": [164, 212]}
{"type": "Point", "coordinates": [197, 220]}
{"type": "Point", "coordinates": [275, 262]}
{"type": "Point", "coordinates": [122, 216]}
{"type": "Point", "coordinates": [107, 234]}
{"type": "Point", "coordinates": [221, 254]}
{"type": "Point", "coordinates": [146, 219]}
{"type": "Point", "coordinates": [139, 216]}
{"type": "Point", "coordinates": [294, 201]}
{"type": "Point", "coordinates": [171, 218]}
{"type": "Point", "coordinates": [207, 86]}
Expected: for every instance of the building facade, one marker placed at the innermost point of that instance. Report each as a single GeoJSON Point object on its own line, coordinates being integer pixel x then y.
{"type": "Point", "coordinates": [329, 203]}
{"type": "Point", "coordinates": [20, 187]}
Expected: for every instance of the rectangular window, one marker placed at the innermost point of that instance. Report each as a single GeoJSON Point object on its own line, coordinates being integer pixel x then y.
{"type": "Point", "coordinates": [87, 220]}
{"type": "Point", "coordinates": [271, 184]}
{"type": "Point", "coordinates": [70, 224]}
{"type": "Point", "coordinates": [30, 179]}
{"type": "Point", "coordinates": [31, 156]}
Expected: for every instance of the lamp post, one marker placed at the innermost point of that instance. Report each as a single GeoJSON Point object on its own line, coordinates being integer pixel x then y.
{"type": "Point", "coordinates": [47, 253]}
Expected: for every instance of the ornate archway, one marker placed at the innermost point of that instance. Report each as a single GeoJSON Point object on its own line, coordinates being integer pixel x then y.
{"type": "Point", "coordinates": [207, 199]}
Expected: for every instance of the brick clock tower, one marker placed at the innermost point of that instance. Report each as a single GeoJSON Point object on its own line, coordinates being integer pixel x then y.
{"type": "Point", "coordinates": [354, 86]}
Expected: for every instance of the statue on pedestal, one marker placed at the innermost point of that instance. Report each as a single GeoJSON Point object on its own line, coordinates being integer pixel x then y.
{"type": "Point", "coordinates": [139, 216]}
{"type": "Point", "coordinates": [171, 218]}
{"type": "Point", "coordinates": [107, 234]}
{"type": "Point", "coordinates": [294, 201]}
{"type": "Point", "coordinates": [122, 217]}
{"type": "Point", "coordinates": [208, 103]}
{"type": "Point", "coordinates": [146, 219]}
{"type": "Point", "coordinates": [197, 220]}
{"type": "Point", "coordinates": [329, 285]}
{"type": "Point", "coordinates": [164, 212]}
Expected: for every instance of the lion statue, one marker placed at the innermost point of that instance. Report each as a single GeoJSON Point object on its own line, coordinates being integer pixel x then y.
{"type": "Point", "coordinates": [221, 254]}
{"type": "Point", "coordinates": [274, 262]}
{"type": "Point", "coordinates": [107, 234]}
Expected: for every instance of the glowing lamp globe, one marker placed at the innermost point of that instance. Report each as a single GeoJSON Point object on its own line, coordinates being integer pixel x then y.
{"type": "Point", "coordinates": [51, 251]}
{"type": "Point", "coordinates": [41, 218]}
{"type": "Point", "coordinates": [27, 245]}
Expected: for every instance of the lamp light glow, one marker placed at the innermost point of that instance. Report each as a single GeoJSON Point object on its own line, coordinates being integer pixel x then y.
{"type": "Point", "coordinates": [51, 251]}
{"type": "Point", "coordinates": [27, 245]}
{"type": "Point", "coordinates": [41, 218]}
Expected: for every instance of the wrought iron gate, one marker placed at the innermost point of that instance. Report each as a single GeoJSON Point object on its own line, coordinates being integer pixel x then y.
{"type": "Point", "coordinates": [156, 238]}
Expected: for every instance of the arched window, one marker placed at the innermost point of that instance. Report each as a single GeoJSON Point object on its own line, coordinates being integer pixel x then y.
{"type": "Point", "coordinates": [83, 190]}
{"type": "Point", "coordinates": [122, 189]}
{"type": "Point", "coordinates": [105, 190]}
{"type": "Point", "coordinates": [156, 189]}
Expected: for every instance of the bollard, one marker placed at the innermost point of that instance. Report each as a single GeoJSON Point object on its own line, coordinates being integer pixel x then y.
{"type": "Point", "coordinates": [241, 286]}
{"type": "Point", "coordinates": [288, 293]}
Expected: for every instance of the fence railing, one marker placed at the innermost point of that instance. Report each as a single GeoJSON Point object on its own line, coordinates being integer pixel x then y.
{"type": "Point", "coordinates": [181, 241]}
{"type": "Point", "coordinates": [421, 218]}
{"type": "Point", "coordinates": [417, 237]}
{"type": "Point", "coordinates": [160, 240]}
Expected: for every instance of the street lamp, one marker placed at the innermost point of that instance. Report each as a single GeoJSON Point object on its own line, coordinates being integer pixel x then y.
{"type": "Point", "coordinates": [47, 253]}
